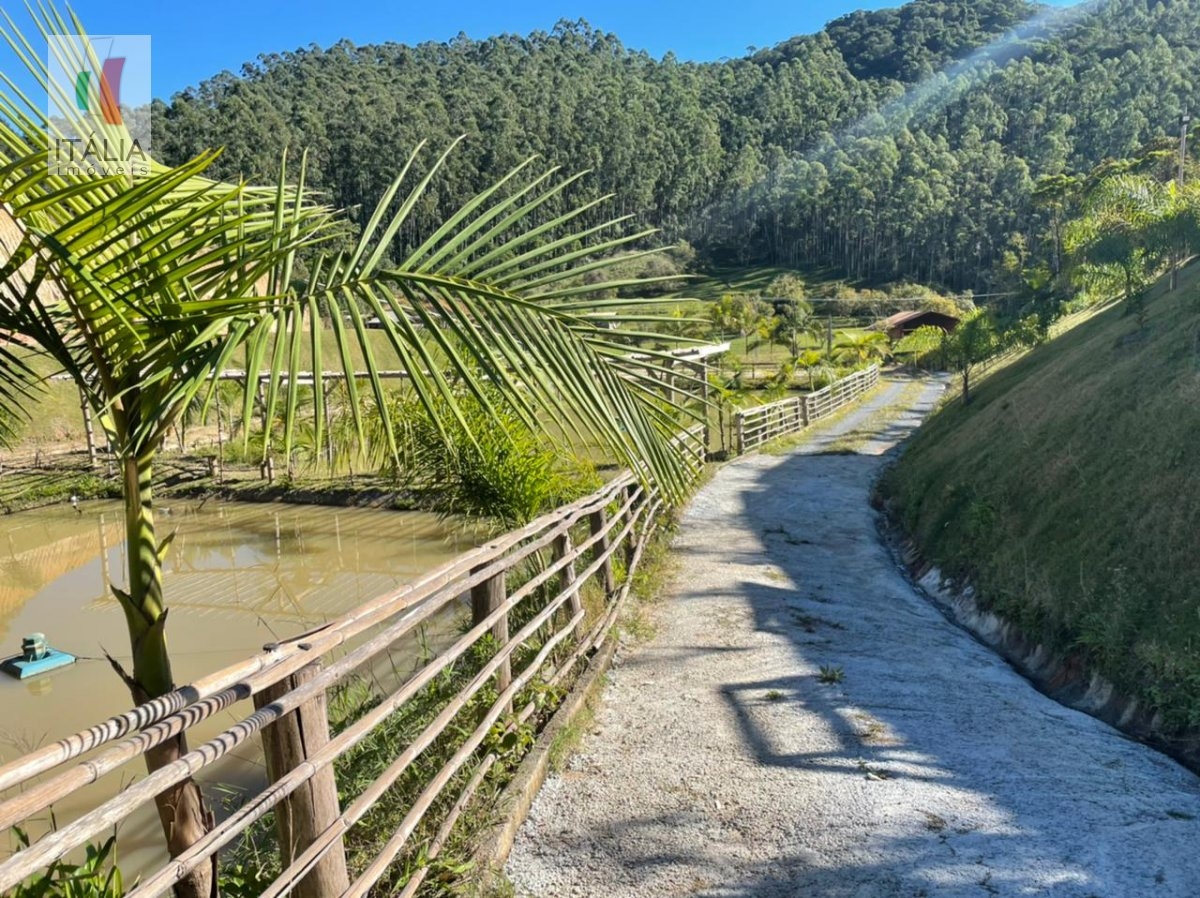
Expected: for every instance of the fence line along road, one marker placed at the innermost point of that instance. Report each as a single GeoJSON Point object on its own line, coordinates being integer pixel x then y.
{"type": "Point", "coordinates": [759, 425]}
{"type": "Point", "coordinates": [559, 582]}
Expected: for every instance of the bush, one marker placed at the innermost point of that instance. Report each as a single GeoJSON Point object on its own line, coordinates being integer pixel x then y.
{"type": "Point", "coordinates": [490, 465]}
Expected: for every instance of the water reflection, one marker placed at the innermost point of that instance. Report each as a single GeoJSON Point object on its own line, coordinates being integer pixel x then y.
{"type": "Point", "coordinates": [238, 575]}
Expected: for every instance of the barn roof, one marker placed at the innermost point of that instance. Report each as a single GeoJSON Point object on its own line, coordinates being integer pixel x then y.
{"type": "Point", "coordinates": [905, 317]}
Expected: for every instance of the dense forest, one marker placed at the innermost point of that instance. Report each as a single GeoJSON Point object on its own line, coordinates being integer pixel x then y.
{"type": "Point", "coordinates": [920, 143]}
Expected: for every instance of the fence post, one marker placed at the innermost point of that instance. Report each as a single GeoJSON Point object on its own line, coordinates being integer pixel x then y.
{"type": "Point", "coordinates": [741, 433]}
{"type": "Point", "coordinates": [305, 814]}
{"type": "Point", "coordinates": [600, 552]}
{"type": "Point", "coordinates": [631, 538]}
{"type": "Point", "coordinates": [220, 469]}
{"type": "Point", "coordinates": [88, 430]}
{"type": "Point", "coordinates": [486, 597]}
{"type": "Point", "coordinates": [562, 548]}
{"type": "Point", "coordinates": [266, 468]}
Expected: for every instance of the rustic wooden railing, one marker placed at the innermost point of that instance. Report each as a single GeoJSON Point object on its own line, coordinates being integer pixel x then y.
{"type": "Point", "coordinates": [754, 427]}
{"type": "Point", "coordinates": [558, 582]}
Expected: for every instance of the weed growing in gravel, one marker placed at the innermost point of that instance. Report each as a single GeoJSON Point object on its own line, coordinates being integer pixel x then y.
{"type": "Point", "coordinates": [830, 674]}
{"type": "Point", "coordinates": [654, 570]}
{"type": "Point", "coordinates": [568, 738]}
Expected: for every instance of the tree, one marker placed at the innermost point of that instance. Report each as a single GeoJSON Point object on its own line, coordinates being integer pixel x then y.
{"type": "Point", "coordinates": [734, 314]}
{"type": "Point", "coordinates": [142, 288]}
{"type": "Point", "coordinates": [975, 340]}
{"type": "Point", "coordinates": [786, 286]}
{"type": "Point", "coordinates": [765, 329]}
{"type": "Point", "coordinates": [861, 349]}
{"type": "Point", "coordinates": [900, 177]}
{"type": "Point", "coordinates": [797, 320]}
{"type": "Point", "coordinates": [1121, 229]}
{"type": "Point", "coordinates": [1054, 193]}
{"type": "Point", "coordinates": [921, 344]}
{"type": "Point", "coordinates": [1174, 232]}
{"type": "Point", "coordinates": [815, 364]}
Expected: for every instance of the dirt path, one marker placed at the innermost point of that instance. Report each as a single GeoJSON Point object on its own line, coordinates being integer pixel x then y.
{"type": "Point", "coordinates": [721, 764]}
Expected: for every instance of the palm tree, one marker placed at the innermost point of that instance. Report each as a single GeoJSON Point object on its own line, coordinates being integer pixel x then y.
{"type": "Point", "coordinates": [1117, 232]}
{"type": "Point", "coordinates": [765, 328]}
{"type": "Point", "coordinates": [143, 288]}
{"type": "Point", "coordinates": [1174, 233]}
{"type": "Point", "coordinates": [721, 394]}
{"type": "Point", "coordinates": [798, 321]}
{"type": "Point", "coordinates": [861, 349]}
{"type": "Point", "coordinates": [815, 364]}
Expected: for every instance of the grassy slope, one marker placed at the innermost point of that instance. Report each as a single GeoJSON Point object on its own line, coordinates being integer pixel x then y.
{"type": "Point", "coordinates": [1068, 492]}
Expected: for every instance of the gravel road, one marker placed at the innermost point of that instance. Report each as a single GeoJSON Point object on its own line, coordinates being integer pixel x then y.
{"type": "Point", "coordinates": [721, 764]}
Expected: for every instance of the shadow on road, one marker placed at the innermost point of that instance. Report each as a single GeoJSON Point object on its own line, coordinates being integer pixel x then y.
{"type": "Point", "coordinates": [806, 724]}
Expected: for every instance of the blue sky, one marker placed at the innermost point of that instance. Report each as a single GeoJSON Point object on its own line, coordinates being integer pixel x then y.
{"type": "Point", "coordinates": [194, 41]}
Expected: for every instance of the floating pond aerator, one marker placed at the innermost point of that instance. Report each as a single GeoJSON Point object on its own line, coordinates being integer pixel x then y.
{"type": "Point", "coordinates": [36, 658]}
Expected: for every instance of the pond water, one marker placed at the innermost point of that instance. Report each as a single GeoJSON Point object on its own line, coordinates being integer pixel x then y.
{"type": "Point", "coordinates": [238, 575]}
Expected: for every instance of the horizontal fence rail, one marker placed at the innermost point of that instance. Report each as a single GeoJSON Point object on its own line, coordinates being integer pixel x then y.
{"type": "Point", "coordinates": [541, 599]}
{"type": "Point", "coordinates": [757, 426]}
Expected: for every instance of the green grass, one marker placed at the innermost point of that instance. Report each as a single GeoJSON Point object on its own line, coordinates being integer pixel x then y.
{"type": "Point", "coordinates": [55, 417]}
{"type": "Point", "coordinates": [20, 490]}
{"type": "Point", "coordinates": [568, 739]}
{"type": "Point", "coordinates": [1067, 493]}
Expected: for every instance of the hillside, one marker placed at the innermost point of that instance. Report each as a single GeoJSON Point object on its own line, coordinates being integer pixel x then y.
{"type": "Point", "coordinates": [1067, 493]}
{"type": "Point", "coordinates": [899, 144]}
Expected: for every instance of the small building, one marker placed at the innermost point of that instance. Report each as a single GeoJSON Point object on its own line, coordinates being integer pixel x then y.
{"type": "Point", "coordinates": [902, 324]}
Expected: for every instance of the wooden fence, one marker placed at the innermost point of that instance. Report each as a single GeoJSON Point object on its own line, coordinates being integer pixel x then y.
{"type": "Point", "coordinates": [541, 599]}
{"type": "Point", "coordinates": [757, 426]}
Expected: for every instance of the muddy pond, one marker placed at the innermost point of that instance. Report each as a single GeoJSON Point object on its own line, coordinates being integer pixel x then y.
{"type": "Point", "coordinates": [238, 575]}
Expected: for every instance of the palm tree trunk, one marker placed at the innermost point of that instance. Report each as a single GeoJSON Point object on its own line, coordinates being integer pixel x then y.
{"type": "Point", "coordinates": [181, 809]}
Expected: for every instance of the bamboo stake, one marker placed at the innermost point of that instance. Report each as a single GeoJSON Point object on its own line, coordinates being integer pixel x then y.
{"type": "Point", "coordinates": [41, 796]}
{"type": "Point", "coordinates": [57, 844]}
{"type": "Point", "coordinates": [562, 548]}
{"type": "Point", "coordinates": [607, 580]}
{"type": "Point", "coordinates": [375, 870]}
{"type": "Point", "coordinates": [347, 739]}
{"type": "Point", "coordinates": [485, 599]}
{"type": "Point", "coordinates": [443, 833]}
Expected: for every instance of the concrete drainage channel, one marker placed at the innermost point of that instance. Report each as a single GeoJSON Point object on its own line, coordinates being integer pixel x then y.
{"type": "Point", "coordinates": [806, 723]}
{"type": "Point", "coordinates": [1062, 680]}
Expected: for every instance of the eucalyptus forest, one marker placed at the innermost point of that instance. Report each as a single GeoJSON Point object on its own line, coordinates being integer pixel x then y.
{"type": "Point", "coordinates": [908, 144]}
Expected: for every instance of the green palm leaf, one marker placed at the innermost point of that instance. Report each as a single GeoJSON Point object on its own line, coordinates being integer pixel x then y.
{"type": "Point", "coordinates": [145, 288]}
